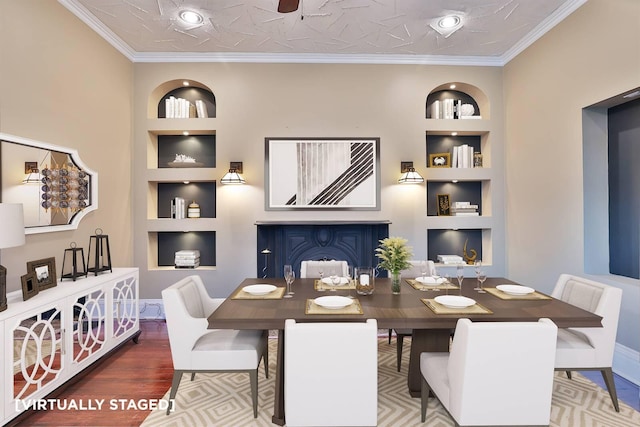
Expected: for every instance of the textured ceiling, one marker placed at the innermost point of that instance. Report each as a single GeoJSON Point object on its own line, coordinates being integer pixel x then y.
{"type": "Point", "coordinates": [493, 31]}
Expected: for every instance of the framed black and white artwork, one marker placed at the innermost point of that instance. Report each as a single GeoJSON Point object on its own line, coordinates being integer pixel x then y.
{"type": "Point", "coordinates": [322, 173]}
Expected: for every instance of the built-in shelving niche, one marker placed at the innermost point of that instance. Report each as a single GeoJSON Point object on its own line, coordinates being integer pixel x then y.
{"type": "Point", "coordinates": [201, 147]}
{"type": "Point", "coordinates": [451, 242]}
{"type": "Point", "coordinates": [204, 193]}
{"type": "Point", "coordinates": [191, 94]}
{"type": "Point", "coordinates": [462, 191]}
{"type": "Point", "coordinates": [169, 242]}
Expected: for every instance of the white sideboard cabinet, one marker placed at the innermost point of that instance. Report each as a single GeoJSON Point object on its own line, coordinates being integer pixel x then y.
{"type": "Point", "coordinates": [53, 336]}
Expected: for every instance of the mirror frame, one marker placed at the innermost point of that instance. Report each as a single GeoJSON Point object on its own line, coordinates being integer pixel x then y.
{"type": "Point", "coordinates": [93, 190]}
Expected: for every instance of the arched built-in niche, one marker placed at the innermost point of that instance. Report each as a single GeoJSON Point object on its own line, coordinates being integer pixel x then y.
{"type": "Point", "coordinates": [466, 93]}
{"type": "Point", "coordinates": [193, 92]}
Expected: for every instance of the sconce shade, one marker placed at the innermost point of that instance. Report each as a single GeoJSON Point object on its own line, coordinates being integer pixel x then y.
{"type": "Point", "coordinates": [232, 177]}
{"type": "Point", "coordinates": [11, 225]}
{"type": "Point", "coordinates": [411, 177]}
{"type": "Point", "coordinates": [33, 177]}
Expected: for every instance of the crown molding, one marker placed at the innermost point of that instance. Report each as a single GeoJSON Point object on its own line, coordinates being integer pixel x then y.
{"type": "Point", "coordinates": [541, 29]}
{"type": "Point", "coordinates": [97, 26]}
{"type": "Point", "coordinates": [315, 58]}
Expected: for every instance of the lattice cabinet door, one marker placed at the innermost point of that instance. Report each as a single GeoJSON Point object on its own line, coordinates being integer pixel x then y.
{"type": "Point", "coordinates": [89, 322]}
{"type": "Point", "coordinates": [125, 305]}
{"type": "Point", "coordinates": [37, 355]}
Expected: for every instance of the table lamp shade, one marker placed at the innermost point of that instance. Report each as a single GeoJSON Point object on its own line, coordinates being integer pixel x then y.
{"type": "Point", "coordinates": [11, 225]}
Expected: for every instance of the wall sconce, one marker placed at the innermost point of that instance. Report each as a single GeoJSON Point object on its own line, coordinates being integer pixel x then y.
{"type": "Point", "coordinates": [233, 176]}
{"type": "Point", "coordinates": [409, 174]}
{"type": "Point", "coordinates": [32, 173]}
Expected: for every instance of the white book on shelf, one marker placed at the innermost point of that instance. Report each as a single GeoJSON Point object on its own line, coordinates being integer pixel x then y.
{"type": "Point", "coordinates": [465, 213]}
{"type": "Point", "coordinates": [201, 109]}
{"type": "Point", "coordinates": [436, 112]}
{"type": "Point", "coordinates": [454, 157]}
{"type": "Point", "coordinates": [464, 148]}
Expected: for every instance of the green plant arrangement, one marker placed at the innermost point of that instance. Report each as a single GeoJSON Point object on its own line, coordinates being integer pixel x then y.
{"type": "Point", "coordinates": [394, 255]}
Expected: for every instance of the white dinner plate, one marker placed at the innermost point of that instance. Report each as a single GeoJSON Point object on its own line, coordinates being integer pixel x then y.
{"type": "Point", "coordinates": [454, 301]}
{"type": "Point", "coordinates": [259, 289]}
{"type": "Point", "coordinates": [333, 302]}
{"type": "Point", "coordinates": [515, 289]}
{"type": "Point", "coordinates": [430, 280]}
{"type": "Point", "coordinates": [327, 281]}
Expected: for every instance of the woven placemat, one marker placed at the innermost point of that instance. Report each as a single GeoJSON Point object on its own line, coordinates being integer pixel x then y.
{"type": "Point", "coordinates": [441, 309]}
{"type": "Point", "coordinates": [421, 287]}
{"type": "Point", "coordinates": [503, 295]}
{"type": "Point", "coordinates": [319, 285]}
{"type": "Point", "coordinates": [277, 294]}
{"type": "Point", "coordinates": [313, 308]}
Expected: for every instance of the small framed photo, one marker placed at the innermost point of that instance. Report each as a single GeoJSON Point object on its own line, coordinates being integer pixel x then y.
{"type": "Point", "coordinates": [29, 286]}
{"type": "Point", "coordinates": [440, 160]}
{"type": "Point", "coordinates": [45, 272]}
{"type": "Point", "coordinates": [444, 204]}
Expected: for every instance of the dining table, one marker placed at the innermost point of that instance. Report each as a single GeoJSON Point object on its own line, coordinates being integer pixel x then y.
{"type": "Point", "coordinates": [413, 308]}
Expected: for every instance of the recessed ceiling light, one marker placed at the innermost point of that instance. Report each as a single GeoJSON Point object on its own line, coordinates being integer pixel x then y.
{"type": "Point", "coordinates": [454, 133]}
{"type": "Point", "coordinates": [191, 17]}
{"type": "Point", "coordinates": [185, 133]}
{"type": "Point", "coordinates": [447, 25]}
{"type": "Point", "coordinates": [449, 21]}
{"type": "Point", "coordinates": [452, 86]}
{"type": "Point", "coordinates": [185, 83]}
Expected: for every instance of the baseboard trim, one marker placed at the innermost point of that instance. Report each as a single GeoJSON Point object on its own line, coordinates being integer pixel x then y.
{"type": "Point", "coordinates": [626, 363]}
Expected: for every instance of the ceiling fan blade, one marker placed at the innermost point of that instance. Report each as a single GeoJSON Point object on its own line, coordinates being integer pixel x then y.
{"type": "Point", "coordinates": [286, 6]}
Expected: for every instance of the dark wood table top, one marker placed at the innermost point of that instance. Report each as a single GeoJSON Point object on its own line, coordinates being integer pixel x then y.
{"type": "Point", "coordinates": [392, 311]}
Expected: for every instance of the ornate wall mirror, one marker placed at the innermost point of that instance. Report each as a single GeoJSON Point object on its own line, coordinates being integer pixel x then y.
{"type": "Point", "coordinates": [56, 188]}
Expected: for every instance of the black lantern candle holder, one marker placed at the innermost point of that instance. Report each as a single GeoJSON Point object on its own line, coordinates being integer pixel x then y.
{"type": "Point", "coordinates": [99, 246]}
{"type": "Point", "coordinates": [73, 272]}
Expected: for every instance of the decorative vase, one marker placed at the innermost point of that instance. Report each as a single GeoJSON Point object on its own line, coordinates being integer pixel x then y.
{"type": "Point", "coordinates": [395, 282]}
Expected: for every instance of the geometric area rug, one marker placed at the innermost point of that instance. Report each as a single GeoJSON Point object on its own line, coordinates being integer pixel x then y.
{"type": "Point", "coordinates": [224, 400]}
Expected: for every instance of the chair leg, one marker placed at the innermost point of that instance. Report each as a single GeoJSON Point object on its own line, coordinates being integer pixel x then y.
{"type": "Point", "coordinates": [607, 376]}
{"type": "Point", "coordinates": [253, 380]}
{"type": "Point", "coordinates": [177, 376]}
{"type": "Point", "coordinates": [568, 374]}
{"type": "Point", "coordinates": [399, 343]}
{"type": "Point", "coordinates": [424, 399]}
{"type": "Point", "coordinates": [193, 376]}
{"type": "Point", "coordinates": [390, 331]}
{"type": "Point", "coordinates": [265, 357]}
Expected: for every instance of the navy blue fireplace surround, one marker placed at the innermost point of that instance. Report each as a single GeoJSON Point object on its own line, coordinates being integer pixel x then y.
{"type": "Point", "coordinates": [294, 242]}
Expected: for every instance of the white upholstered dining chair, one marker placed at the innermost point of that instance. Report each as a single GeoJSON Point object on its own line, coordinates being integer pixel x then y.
{"type": "Point", "coordinates": [194, 348]}
{"type": "Point", "coordinates": [410, 273]}
{"type": "Point", "coordinates": [589, 348]}
{"type": "Point", "coordinates": [331, 373]}
{"type": "Point", "coordinates": [497, 373]}
{"type": "Point", "coordinates": [311, 269]}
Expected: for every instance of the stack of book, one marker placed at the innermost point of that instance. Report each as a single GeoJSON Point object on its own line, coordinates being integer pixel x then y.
{"type": "Point", "coordinates": [449, 109]}
{"type": "Point", "coordinates": [464, 209]}
{"type": "Point", "coordinates": [178, 108]}
{"type": "Point", "coordinates": [187, 259]}
{"type": "Point", "coordinates": [450, 259]}
{"type": "Point", "coordinates": [462, 156]}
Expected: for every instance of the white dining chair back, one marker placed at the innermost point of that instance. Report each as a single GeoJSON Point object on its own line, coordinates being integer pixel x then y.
{"type": "Point", "coordinates": [416, 269]}
{"type": "Point", "coordinates": [497, 373]}
{"type": "Point", "coordinates": [589, 348]}
{"type": "Point", "coordinates": [311, 269]}
{"type": "Point", "coordinates": [195, 348]}
{"type": "Point", "coordinates": [331, 373]}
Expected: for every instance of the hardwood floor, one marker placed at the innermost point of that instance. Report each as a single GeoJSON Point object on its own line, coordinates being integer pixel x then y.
{"type": "Point", "coordinates": [136, 372]}
{"type": "Point", "coordinates": [143, 371]}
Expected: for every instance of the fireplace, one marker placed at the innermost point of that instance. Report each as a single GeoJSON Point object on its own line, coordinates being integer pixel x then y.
{"type": "Point", "coordinates": [294, 242]}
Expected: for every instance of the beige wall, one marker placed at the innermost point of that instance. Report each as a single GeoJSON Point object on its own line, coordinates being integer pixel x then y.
{"type": "Point", "coordinates": [63, 84]}
{"type": "Point", "coordinates": [255, 101]}
{"type": "Point", "coordinates": [592, 55]}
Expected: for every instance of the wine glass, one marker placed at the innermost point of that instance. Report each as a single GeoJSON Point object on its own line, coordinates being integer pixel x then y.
{"type": "Point", "coordinates": [321, 287]}
{"type": "Point", "coordinates": [424, 269]}
{"type": "Point", "coordinates": [482, 276]}
{"type": "Point", "coordinates": [289, 277]}
{"type": "Point", "coordinates": [335, 278]}
{"type": "Point", "coordinates": [460, 276]}
{"type": "Point", "coordinates": [349, 280]}
{"type": "Point", "coordinates": [478, 267]}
